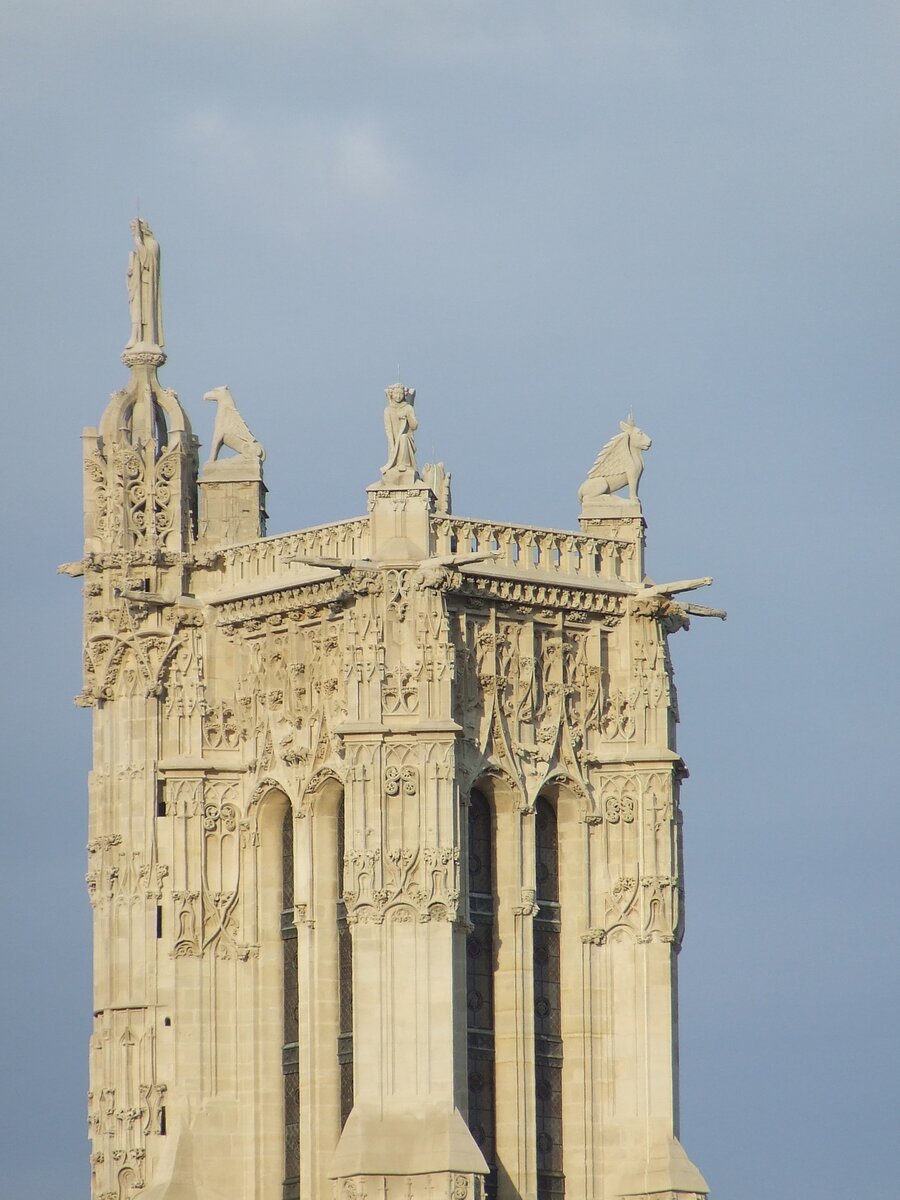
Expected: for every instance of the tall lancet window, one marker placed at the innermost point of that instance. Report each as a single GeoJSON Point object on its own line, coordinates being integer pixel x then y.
{"type": "Point", "coordinates": [345, 982]}
{"type": "Point", "coordinates": [291, 1018]}
{"type": "Point", "coordinates": [480, 985]}
{"type": "Point", "coordinates": [547, 1024]}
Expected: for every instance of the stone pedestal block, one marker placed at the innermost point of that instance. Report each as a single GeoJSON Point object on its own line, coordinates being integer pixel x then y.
{"type": "Point", "coordinates": [437, 1185]}
{"type": "Point", "coordinates": [232, 498]}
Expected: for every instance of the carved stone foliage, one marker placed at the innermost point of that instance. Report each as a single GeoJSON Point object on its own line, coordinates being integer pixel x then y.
{"type": "Point", "coordinates": [296, 605]}
{"type": "Point", "coordinates": [527, 906]}
{"type": "Point", "coordinates": [119, 876]}
{"type": "Point", "coordinates": [126, 1103]}
{"type": "Point", "coordinates": [516, 674]}
{"type": "Point", "coordinates": [582, 684]}
{"type": "Point", "coordinates": [290, 695]}
{"type": "Point", "coordinates": [416, 669]}
{"type": "Point", "coordinates": [553, 597]}
{"type": "Point", "coordinates": [127, 662]}
{"type": "Point", "coordinates": [550, 681]}
{"type": "Point", "coordinates": [213, 897]}
{"type": "Point", "coordinates": [221, 729]}
{"type": "Point", "coordinates": [187, 924]}
{"type": "Point", "coordinates": [644, 908]}
{"type": "Point", "coordinates": [433, 653]}
{"type": "Point", "coordinates": [184, 695]}
{"type": "Point", "coordinates": [619, 796]}
{"type": "Point", "coordinates": [400, 693]}
{"type": "Point", "coordinates": [529, 693]}
{"type": "Point", "coordinates": [637, 883]}
{"type": "Point", "coordinates": [397, 584]}
{"type": "Point", "coordinates": [402, 884]}
{"type": "Point", "coordinates": [131, 647]}
{"type": "Point", "coordinates": [184, 797]}
{"type": "Point", "coordinates": [661, 917]}
{"type": "Point", "coordinates": [222, 863]}
{"type": "Point", "coordinates": [140, 498]}
{"type": "Point", "coordinates": [617, 720]}
{"type": "Point", "coordinates": [469, 701]}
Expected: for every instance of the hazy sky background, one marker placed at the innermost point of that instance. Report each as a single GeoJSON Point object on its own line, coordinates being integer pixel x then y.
{"type": "Point", "coordinates": [549, 215]}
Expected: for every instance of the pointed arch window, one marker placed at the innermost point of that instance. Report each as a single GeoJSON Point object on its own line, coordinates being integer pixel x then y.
{"type": "Point", "coordinates": [480, 986]}
{"type": "Point", "coordinates": [345, 981]}
{"type": "Point", "coordinates": [548, 1047]}
{"type": "Point", "coordinates": [291, 1014]}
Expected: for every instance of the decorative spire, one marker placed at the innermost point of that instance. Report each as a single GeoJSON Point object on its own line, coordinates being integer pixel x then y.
{"type": "Point", "coordinates": [141, 462]}
{"type": "Point", "coordinates": [144, 412]}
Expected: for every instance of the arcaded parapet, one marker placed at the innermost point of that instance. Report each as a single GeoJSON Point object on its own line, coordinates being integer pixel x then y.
{"type": "Point", "coordinates": [384, 849]}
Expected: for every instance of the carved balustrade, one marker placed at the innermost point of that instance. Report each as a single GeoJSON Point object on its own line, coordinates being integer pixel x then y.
{"type": "Point", "coordinates": [264, 562]}
{"type": "Point", "coordinates": [520, 548]}
{"type": "Point", "coordinates": [537, 551]}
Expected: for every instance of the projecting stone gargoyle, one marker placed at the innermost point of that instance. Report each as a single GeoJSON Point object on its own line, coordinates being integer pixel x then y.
{"type": "Point", "coordinates": [231, 429]}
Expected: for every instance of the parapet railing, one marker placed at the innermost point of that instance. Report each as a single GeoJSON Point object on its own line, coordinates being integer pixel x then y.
{"type": "Point", "coordinates": [264, 562]}
{"type": "Point", "coordinates": [523, 548]}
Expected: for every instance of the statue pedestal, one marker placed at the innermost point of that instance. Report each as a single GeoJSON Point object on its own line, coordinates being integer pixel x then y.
{"type": "Point", "coordinates": [232, 502]}
{"type": "Point", "coordinates": [606, 508]}
{"type": "Point", "coordinates": [620, 523]}
{"type": "Point", "coordinates": [667, 1174]}
{"type": "Point", "coordinates": [412, 1152]}
{"type": "Point", "coordinates": [436, 1185]}
{"type": "Point", "coordinates": [143, 354]}
{"type": "Point", "coordinates": [401, 522]}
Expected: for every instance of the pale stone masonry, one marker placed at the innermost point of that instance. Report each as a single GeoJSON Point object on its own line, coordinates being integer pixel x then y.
{"type": "Point", "coordinates": [384, 848]}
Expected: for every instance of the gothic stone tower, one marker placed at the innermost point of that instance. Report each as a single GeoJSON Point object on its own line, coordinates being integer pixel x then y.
{"type": "Point", "coordinates": [384, 848]}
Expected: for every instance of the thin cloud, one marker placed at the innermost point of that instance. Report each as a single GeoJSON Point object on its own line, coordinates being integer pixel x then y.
{"type": "Point", "coordinates": [322, 167]}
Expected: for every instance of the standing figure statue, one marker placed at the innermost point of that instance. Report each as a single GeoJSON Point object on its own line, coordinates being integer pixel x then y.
{"type": "Point", "coordinates": [143, 287]}
{"type": "Point", "coordinates": [400, 424]}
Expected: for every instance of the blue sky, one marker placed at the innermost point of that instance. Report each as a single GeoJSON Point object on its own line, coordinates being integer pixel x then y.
{"type": "Point", "coordinates": [549, 216]}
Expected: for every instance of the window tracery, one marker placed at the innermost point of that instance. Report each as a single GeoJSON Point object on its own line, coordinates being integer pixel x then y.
{"type": "Point", "coordinates": [291, 1015]}
{"type": "Point", "coordinates": [345, 982]}
{"type": "Point", "coordinates": [548, 1047]}
{"type": "Point", "coordinates": [480, 986]}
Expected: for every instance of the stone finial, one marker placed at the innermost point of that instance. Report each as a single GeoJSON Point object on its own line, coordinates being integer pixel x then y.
{"type": "Point", "coordinates": [619, 464]}
{"type": "Point", "coordinates": [400, 425]}
{"type": "Point", "coordinates": [437, 478]}
{"type": "Point", "coordinates": [144, 302]}
{"type": "Point", "coordinates": [231, 430]}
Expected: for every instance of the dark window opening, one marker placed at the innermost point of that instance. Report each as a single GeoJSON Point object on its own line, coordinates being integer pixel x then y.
{"type": "Point", "coordinates": [291, 1016]}
{"type": "Point", "coordinates": [480, 987]}
{"type": "Point", "coordinates": [345, 982]}
{"type": "Point", "coordinates": [548, 1047]}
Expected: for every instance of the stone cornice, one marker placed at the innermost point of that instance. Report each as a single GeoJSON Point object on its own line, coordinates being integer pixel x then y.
{"type": "Point", "coordinates": [306, 600]}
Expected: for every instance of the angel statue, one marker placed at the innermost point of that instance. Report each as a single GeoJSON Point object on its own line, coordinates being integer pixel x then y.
{"type": "Point", "coordinates": [143, 287]}
{"type": "Point", "coordinates": [400, 424]}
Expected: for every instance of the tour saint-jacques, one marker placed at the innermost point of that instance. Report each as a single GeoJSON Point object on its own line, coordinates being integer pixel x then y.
{"type": "Point", "coordinates": [385, 836]}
